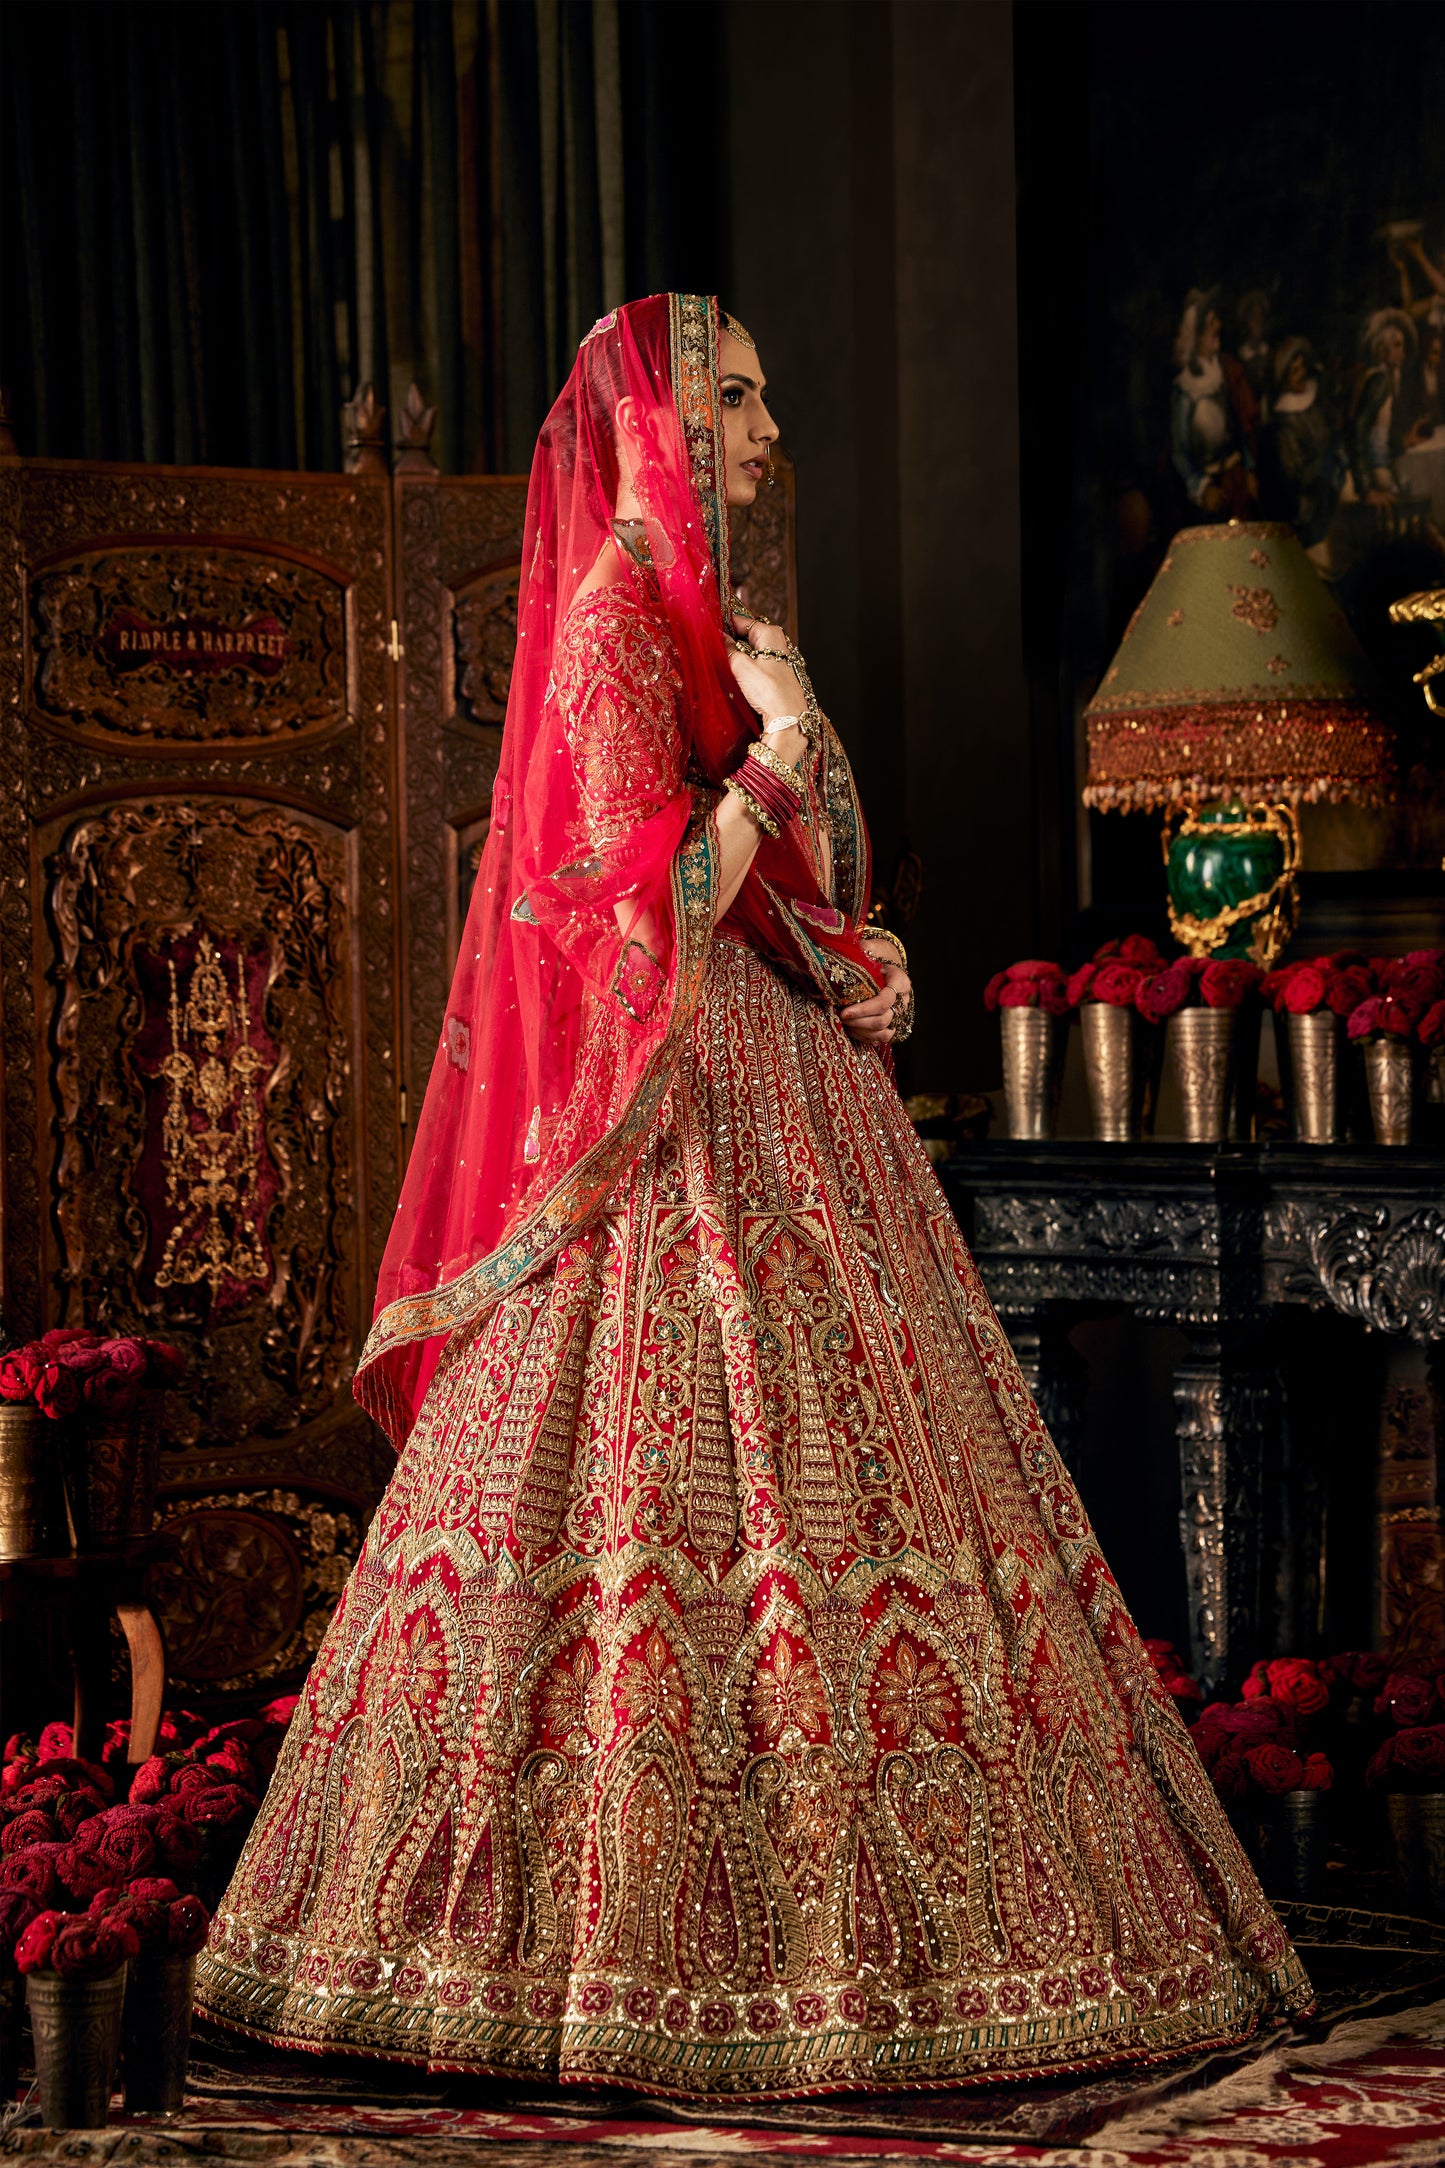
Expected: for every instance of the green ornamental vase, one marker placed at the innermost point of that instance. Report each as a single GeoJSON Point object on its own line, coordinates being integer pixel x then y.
{"type": "Point", "coordinates": [1209, 873]}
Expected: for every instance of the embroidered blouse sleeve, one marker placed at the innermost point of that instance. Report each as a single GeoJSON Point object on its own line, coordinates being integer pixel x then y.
{"type": "Point", "coordinates": [617, 688]}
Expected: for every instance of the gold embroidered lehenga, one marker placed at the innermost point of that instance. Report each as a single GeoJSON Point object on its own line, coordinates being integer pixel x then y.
{"type": "Point", "coordinates": [730, 1697]}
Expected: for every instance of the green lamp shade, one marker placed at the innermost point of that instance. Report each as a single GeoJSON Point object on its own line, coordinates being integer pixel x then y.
{"type": "Point", "coordinates": [1237, 678]}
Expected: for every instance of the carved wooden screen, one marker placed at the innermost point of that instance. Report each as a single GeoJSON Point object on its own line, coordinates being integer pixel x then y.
{"type": "Point", "coordinates": [201, 995]}
{"type": "Point", "coordinates": [237, 844]}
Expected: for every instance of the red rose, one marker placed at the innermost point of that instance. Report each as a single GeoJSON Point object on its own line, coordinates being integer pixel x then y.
{"type": "Point", "coordinates": [1366, 1018]}
{"type": "Point", "coordinates": [1162, 1654]}
{"type": "Point", "coordinates": [112, 1393]}
{"type": "Point", "coordinates": [93, 1949]}
{"type": "Point", "coordinates": [1230, 1774]}
{"type": "Point", "coordinates": [282, 1709]}
{"type": "Point", "coordinates": [73, 1808]}
{"type": "Point", "coordinates": [1382, 1761]}
{"type": "Point", "coordinates": [81, 1872]}
{"type": "Point", "coordinates": [35, 1872]}
{"type": "Point", "coordinates": [147, 1922]}
{"type": "Point", "coordinates": [1317, 1775]}
{"type": "Point", "coordinates": [1258, 1720]}
{"type": "Point", "coordinates": [62, 1336]}
{"type": "Point", "coordinates": [1421, 1753]}
{"type": "Point", "coordinates": [165, 1365]}
{"type": "Point", "coordinates": [1432, 1031]}
{"type": "Point", "coordinates": [152, 1779]}
{"type": "Point", "coordinates": [61, 1763]}
{"type": "Point", "coordinates": [993, 990]}
{"type": "Point", "coordinates": [1409, 1700]}
{"type": "Point", "coordinates": [192, 1776]}
{"type": "Point", "coordinates": [154, 1889]}
{"type": "Point", "coordinates": [1137, 948]}
{"type": "Point", "coordinates": [1360, 1669]}
{"type": "Point", "coordinates": [17, 1909]}
{"type": "Point", "coordinates": [187, 1925]}
{"type": "Point", "coordinates": [126, 1357]}
{"type": "Point", "coordinates": [219, 1808]}
{"type": "Point", "coordinates": [1019, 994]}
{"type": "Point", "coordinates": [1034, 967]}
{"type": "Point", "coordinates": [127, 1849]}
{"type": "Point", "coordinates": [1306, 989]}
{"type": "Point", "coordinates": [82, 1356]}
{"type": "Point", "coordinates": [1274, 1769]}
{"type": "Point", "coordinates": [179, 1844]}
{"type": "Point", "coordinates": [1399, 1015]}
{"type": "Point", "coordinates": [1296, 1680]}
{"type": "Point", "coordinates": [1182, 1688]}
{"type": "Point", "coordinates": [57, 1391]}
{"type": "Point", "coordinates": [1224, 985]}
{"type": "Point", "coordinates": [105, 1900]}
{"type": "Point", "coordinates": [20, 1374]}
{"type": "Point", "coordinates": [1054, 997]}
{"type": "Point", "coordinates": [233, 1759]}
{"type": "Point", "coordinates": [32, 1951]}
{"type": "Point", "coordinates": [1079, 983]}
{"type": "Point", "coordinates": [1420, 981]}
{"type": "Point", "coordinates": [19, 1747]}
{"type": "Point", "coordinates": [1118, 984]}
{"type": "Point", "coordinates": [1256, 1685]}
{"type": "Point", "coordinates": [31, 1826]}
{"type": "Point", "coordinates": [1163, 994]}
{"type": "Point", "coordinates": [1351, 985]}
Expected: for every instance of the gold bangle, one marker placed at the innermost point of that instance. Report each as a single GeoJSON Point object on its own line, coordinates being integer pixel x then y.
{"type": "Point", "coordinates": [768, 757]}
{"type": "Point", "coordinates": [886, 933]}
{"type": "Point", "coordinates": [745, 798]}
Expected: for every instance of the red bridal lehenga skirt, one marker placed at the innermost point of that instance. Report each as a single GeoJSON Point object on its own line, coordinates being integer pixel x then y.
{"type": "Point", "coordinates": [730, 1697]}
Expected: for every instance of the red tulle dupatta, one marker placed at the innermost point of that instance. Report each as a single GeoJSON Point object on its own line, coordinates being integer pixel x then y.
{"type": "Point", "coordinates": [583, 955]}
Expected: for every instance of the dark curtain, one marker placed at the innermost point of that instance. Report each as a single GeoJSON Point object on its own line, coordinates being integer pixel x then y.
{"type": "Point", "coordinates": [219, 220]}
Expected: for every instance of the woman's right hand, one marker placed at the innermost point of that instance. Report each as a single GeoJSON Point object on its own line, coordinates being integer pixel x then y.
{"type": "Point", "coordinates": [771, 688]}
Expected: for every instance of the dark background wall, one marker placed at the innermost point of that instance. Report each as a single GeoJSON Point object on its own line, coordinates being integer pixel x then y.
{"type": "Point", "coordinates": [873, 256]}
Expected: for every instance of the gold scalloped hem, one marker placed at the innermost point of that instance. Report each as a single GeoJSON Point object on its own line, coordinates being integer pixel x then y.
{"type": "Point", "coordinates": [799, 2064]}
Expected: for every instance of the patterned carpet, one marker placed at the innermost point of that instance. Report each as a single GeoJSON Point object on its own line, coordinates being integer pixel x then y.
{"type": "Point", "coordinates": [1361, 2084]}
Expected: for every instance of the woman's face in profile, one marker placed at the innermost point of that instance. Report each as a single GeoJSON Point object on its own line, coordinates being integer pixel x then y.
{"type": "Point", "coordinates": [748, 427]}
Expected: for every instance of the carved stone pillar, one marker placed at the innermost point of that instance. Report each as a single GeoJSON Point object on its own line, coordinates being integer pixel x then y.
{"type": "Point", "coordinates": [1057, 1376]}
{"type": "Point", "coordinates": [1227, 1421]}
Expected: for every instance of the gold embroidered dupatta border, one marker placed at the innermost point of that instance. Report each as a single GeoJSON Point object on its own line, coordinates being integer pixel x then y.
{"type": "Point", "coordinates": [573, 1199]}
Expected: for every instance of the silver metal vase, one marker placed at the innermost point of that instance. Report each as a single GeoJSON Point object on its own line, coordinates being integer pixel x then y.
{"type": "Point", "coordinates": [1202, 1047]}
{"type": "Point", "coordinates": [1314, 1054]}
{"type": "Point", "coordinates": [1390, 1073]}
{"type": "Point", "coordinates": [1033, 1047]}
{"type": "Point", "coordinates": [1121, 1065]}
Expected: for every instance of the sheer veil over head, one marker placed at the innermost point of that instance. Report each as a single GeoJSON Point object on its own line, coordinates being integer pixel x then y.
{"type": "Point", "coordinates": [583, 953]}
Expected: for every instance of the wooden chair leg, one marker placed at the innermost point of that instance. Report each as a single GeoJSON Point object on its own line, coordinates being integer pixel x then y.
{"type": "Point", "coordinates": [147, 1677]}
{"type": "Point", "coordinates": [90, 1664]}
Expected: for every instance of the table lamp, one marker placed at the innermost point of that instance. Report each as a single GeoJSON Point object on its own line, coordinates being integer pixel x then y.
{"type": "Point", "coordinates": [1238, 692]}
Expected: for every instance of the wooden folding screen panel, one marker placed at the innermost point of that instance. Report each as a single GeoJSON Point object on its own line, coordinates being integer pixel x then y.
{"type": "Point", "coordinates": [198, 940]}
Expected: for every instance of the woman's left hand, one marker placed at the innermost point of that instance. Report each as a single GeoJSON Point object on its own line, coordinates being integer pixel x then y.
{"type": "Point", "coordinates": [871, 1021]}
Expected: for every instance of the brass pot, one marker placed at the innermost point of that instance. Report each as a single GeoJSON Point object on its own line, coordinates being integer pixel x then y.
{"type": "Point", "coordinates": [75, 2025]}
{"type": "Point", "coordinates": [1202, 1045]}
{"type": "Point", "coordinates": [1121, 1063]}
{"type": "Point", "coordinates": [1033, 1045]}
{"type": "Point", "coordinates": [1417, 1829]}
{"type": "Point", "coordinates": [111, 1464]}
{"type": "Point", "coordinates": [1390, 1071]}
{"type": "Point", "coordinates": [28, 1444]}
{"type": "Point", "coordinates": [155, 2034]}
{"type": "Point", "coordinates": [1314, 1053]}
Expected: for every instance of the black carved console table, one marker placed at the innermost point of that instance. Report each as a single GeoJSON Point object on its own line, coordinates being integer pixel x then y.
{"type": "Point", "coordinates": [1210, 1239]}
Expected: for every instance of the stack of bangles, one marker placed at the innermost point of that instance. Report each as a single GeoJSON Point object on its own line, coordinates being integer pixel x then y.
{"type": "Point", "coordinates": [769, 789]}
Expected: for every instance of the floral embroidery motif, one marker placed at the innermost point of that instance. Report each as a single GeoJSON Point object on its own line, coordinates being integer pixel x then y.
{"type": "Point", "coordinates": [1255, 607]}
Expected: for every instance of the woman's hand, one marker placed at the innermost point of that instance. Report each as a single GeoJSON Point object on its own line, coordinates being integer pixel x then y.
{"type": "Point", "coordinates": [871, 1021]}
{"type": "Point", "coordinates": [771, 688]}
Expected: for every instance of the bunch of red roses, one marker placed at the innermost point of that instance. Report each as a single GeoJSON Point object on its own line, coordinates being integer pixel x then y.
{"type": "Point", "coordinates": [1252, 1749]}
{"type": "Point", "coordinates": [1195, 982]}
{"type": "Point", "coordinates": [1412, 1757]}
{"type": "Point", "coordinates": [71, 1368]}
{"type": "Point", "coordinates": [1034, 984]}
{"type": "Point", "coordinates": [1399, 997]}
{"type": "Point", "coordinates": [1115, 972]}
{"type": "Point", "coordinates": [84, 1875]}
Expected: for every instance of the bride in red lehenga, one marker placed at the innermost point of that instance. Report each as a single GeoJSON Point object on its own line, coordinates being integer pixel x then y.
{"type": "Point", "coordinates": [730, 1697]}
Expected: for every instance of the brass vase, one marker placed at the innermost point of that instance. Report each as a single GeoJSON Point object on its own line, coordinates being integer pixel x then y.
{"type": "Point", "coordinates": [155, 2036]}
{"type": "Point", "coordinates": [1417, 1830]}
{"type": "Point", "coordinates": [1121, 1065]}
{"type": "Point", "coordinates": [75, 2025]}
{"type": "Point", "coordinates": [1033, 1043]}
{"type": "Point", "coordinates": [1202, 1044]}
{"type": "Point", "coordinates": [27, 1457]}
{"type": "Point", "coordinates": [1314, 1054]}
{"type": "Point", "coordinates": [111, 1464]}
{"type": "Point", "coordinates": [1390, 1079]}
